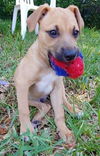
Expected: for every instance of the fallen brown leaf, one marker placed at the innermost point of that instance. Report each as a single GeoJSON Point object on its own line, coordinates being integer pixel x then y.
{"type": "Point", "coordinates": [2, 130]}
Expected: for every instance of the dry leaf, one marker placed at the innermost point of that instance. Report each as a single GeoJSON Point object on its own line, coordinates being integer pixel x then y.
{"type": "Point", "coordinates": [3, 130]}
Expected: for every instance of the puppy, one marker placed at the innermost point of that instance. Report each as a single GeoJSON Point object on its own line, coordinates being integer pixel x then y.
{"type": "Point", "coordinates": [34, 77]}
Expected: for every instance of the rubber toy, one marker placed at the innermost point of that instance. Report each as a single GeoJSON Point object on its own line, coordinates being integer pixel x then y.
{"type": "Point", "coordinates": [72, 69]}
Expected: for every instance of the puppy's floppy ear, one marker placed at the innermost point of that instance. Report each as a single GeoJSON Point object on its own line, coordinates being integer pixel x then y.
{"type": "Point", "coordinates": [78, 16]}
{"type": "Point", "coordinates": [36, 16]}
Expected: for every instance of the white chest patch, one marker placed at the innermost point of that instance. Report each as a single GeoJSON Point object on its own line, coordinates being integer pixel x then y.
{"type": "Point", "coordinates": [45, 85]}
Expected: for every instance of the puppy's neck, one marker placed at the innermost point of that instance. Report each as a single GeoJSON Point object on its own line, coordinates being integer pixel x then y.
{"type": "Point", "coordinates": [43, 54]}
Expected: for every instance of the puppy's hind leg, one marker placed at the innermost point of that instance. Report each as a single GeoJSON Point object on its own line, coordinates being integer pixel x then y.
{"type": "Point", "coordinates": [43, 109]}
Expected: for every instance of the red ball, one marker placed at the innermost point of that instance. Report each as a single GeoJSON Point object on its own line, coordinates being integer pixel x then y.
{"type": "Point", "coordinates": [75, 68]}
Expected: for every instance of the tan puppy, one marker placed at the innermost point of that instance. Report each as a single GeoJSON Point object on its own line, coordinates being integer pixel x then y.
{"type": "Point", "coordinates": [34, 77]}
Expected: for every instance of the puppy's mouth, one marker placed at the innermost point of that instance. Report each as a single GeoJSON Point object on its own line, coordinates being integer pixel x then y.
{"type": "Point", "coordinates": [54, 59]}
{"type": "Point", "coordinates": [56, 56]}
{"type": "Point", "coordinates": [50, 56]}
{"type": "Point", "coordinates": [63, 58]}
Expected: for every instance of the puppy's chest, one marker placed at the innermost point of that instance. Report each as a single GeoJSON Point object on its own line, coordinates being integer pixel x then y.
{"type": "Point", "coordinates": [46, 83]}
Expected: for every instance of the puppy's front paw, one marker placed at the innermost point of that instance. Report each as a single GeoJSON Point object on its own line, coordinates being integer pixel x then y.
{"type": "Point", "coordinates": [25, 127]}
{"type": "Point", "coordinates": [69, 138]}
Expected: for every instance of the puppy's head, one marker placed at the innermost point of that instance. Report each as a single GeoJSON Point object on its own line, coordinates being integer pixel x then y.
{"type": "Point", "coordinates": [59, 30]}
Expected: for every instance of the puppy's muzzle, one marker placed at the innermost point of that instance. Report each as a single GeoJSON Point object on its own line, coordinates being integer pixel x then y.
{"type": "Point", "coordinates": [66, 54]}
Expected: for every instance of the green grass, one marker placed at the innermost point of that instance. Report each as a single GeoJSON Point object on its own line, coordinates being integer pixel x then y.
{"type": "Point", "coordinates": [84, 91]}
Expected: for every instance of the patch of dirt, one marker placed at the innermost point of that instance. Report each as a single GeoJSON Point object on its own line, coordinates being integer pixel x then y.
{"type": "Point", "coordinates": [81, 95]}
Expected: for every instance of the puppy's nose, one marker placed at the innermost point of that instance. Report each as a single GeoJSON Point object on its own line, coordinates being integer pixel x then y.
{"type": "Point", "coordinates": [69, 54]}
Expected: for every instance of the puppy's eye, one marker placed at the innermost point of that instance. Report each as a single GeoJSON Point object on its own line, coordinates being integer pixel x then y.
{"type": "Point", "coordinates": [53, 33]}
{"type": "Point", "coordinates": [75, 33]}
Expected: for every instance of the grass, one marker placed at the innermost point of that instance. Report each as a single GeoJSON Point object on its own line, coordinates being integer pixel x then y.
{"type": "Point", "coordinates": [84, 91]}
